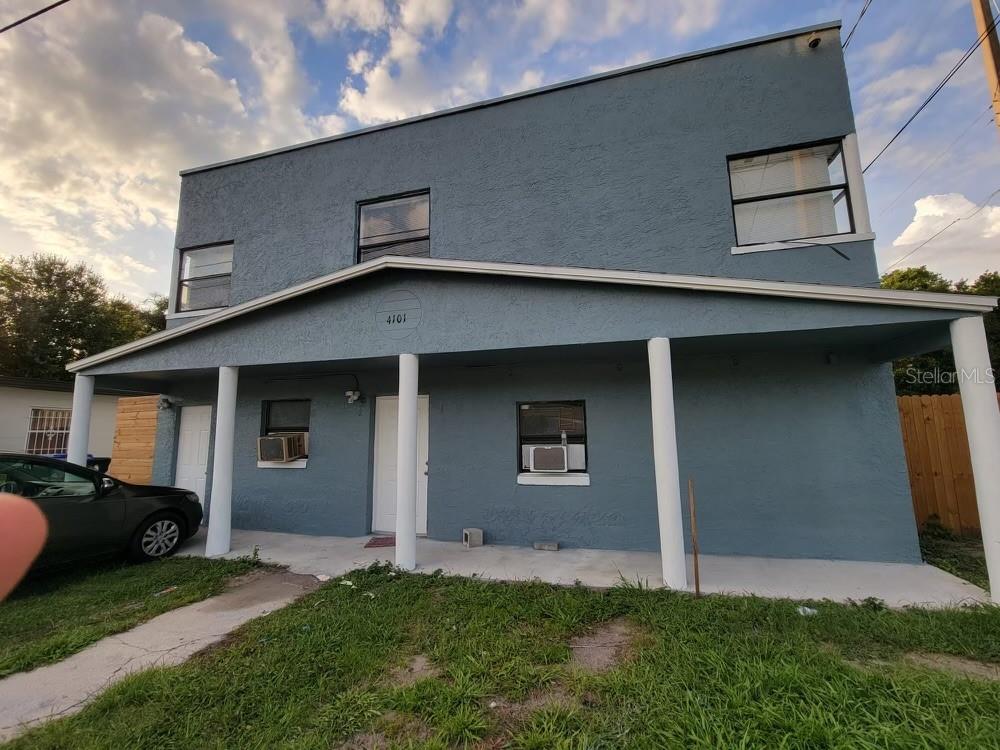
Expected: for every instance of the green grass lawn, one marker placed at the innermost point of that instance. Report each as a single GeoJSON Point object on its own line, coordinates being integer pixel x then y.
{"type": "Point", "coordinates": [960, 556]}
{"type": "Point", "coordinates": [700, 673]}
{"type": "Point", "coordinates": [52, 616]}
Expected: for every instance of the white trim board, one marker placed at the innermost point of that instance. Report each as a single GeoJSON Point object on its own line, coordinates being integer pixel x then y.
{"type": "Point", "coordinates": [833, 239]}
{"type": "Point", "coordinates": [796, 290]}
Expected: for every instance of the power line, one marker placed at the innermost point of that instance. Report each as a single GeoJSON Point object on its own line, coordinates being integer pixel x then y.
{"type": "Point", "coordinates": [37, 13]}
{"type": "Point", "coordinates": [937, 234]}
{"type": "Point", "coordinates": [864, 9]}
{"type": "Point", "coordinates": [937, 158]}
{"type": "Point", "coordinates": [955, 68]}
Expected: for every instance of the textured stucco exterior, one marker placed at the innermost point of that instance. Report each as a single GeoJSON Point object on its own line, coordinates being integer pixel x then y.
{"type": "Point", "coordinates": [785, 412]}
{"type": "Point", "coordinates": [627, 172]}
{"type": "Point", "coordinates": [766, 437]}
{"type": "Point", "coordinates": [467, 313]}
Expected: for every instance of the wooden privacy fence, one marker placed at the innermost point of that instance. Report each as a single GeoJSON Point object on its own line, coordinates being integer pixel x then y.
{"type": "Point", "coordinates": [135, 438]}
{"type": "Point", "coordinates": [937, 456]}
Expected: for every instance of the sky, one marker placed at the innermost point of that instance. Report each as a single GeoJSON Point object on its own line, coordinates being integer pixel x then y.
{"type": "Point", "coordinates": [104, 102]}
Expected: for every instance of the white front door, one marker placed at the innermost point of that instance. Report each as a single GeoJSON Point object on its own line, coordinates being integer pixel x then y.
{"type": "Point", "coordinates": [384, 495]}
{"type": "Point", "coordinates": [193, 442]}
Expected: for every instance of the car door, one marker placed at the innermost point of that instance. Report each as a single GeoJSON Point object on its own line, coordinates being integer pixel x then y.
{"type": "Point", "coordinates": [84, 518]}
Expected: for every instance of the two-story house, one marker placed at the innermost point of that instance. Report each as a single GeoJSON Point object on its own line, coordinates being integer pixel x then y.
{"type": "Point", "coordinates": [539, 315]}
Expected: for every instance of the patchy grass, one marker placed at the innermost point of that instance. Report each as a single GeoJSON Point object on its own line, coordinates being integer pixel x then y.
{"type": "Point", "coordinates": [701, 673]}
{"type": "Point", "coordinates": [52, 616]}
{"type": "Point", "coordinates": [960, 556]}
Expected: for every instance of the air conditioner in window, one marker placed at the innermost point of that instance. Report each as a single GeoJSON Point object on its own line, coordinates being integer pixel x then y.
{"type": "Point", "coordinates": [548, 458]}
{"type": "Point", "coordinates": [281, 448]}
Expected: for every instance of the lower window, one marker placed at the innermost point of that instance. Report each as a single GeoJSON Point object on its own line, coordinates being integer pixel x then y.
{"type": "Point", "coordinates": [48, 431]}
{"type": "Point", "coordinates": [552, 437]}
{"type": "Point", "coordinates": [288, 417]}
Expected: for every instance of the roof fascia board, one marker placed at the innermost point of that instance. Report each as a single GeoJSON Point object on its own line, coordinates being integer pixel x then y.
{"type": "Point", "coordinates": [933, 300]}
{"type": "Point", "coordinates": [651, 65]}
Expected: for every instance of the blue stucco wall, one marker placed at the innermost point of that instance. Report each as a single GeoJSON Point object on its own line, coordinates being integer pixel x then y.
{"type": "Point", "coordinates": [792, 456]}
{"type": "Point", "coordinates": [462, 312]}
{"type": "Point", "coordinates": [627, 172]}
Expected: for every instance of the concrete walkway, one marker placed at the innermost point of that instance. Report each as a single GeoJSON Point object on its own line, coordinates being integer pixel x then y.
{"type": "Point", "coordinates": [65, 687]}
{"type": "Point", "coordinates": [896, 584]}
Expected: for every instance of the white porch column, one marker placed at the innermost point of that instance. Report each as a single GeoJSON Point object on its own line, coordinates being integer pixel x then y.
{"type": "Point", "coordinates": [406, 464]}
{"type": "Point", "coordinates": [79, 421]}
{"type": "Point", "coordinates": [668, 487]}
{"type": "Point", "coordinates": [982, 423]}
{"type": "Point", "coordinates": [220, 508]}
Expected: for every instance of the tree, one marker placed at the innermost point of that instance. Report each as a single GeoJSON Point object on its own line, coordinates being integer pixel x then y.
{"type": "Point", "coordinates": [924, 280]}
{"type": "Point", "coordinates": [53, 312]}
{"type": "Point", "coordinates": [919, 279]}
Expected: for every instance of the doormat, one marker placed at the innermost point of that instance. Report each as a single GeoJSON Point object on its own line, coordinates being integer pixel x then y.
{"type": "Point", "coordinates": [381, 541]}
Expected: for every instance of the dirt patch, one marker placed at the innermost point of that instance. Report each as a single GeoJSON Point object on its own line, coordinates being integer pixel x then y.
{"type": "Point", "coordinates": [605, 647]}
{"type": "Point", "coordinates": [956, 665]}
{"type": "Point", "coordinates": [510, 714]}
{"type": "Point", "coordinates": [261, 587]}
{"type": "Point", "coordinates": [418, 668]}
{"type": "Point", "coordinates": [393, 728]}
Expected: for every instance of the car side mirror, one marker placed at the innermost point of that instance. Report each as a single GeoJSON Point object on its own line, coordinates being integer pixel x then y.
{"type": "Point", "coordinates": [107, 484]}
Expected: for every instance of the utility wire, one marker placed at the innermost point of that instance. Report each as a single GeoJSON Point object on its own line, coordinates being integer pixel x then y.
{"type": "Point", "coordinates": [937, 234]}
{"type": "Point", "coordinates": [864, 9]}
{"type": "Point", "coordinates": [37, 13]}
{"type": "Point", "coordinates": [955, 68]}
{"type": "Point", "coordinates": [937, 158]}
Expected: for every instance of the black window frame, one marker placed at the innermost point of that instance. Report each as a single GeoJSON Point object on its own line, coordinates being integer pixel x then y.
{"type": "Point", "coordinates": [179, 281]}
{"type": "Point", "coordinates": [265, 415]}
{"type": "Point", "coordinates": [384, 199]}
{"type": "Point", "coordinates": [523, 440]}
{"type": "Point", "coordinates": [845, 186]}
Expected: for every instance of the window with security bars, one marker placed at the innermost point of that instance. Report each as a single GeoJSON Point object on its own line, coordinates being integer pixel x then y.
{"type": "Point", "coordinates": [792, 194]}
{"type": "Point", "coordinates": [395, 226]}
{"type": "Point", "coordinates": [48, 432]}
{"type": "Point", "coordinates": [553, 423]}
{"type": "Point", "coordinates": [205, 278]}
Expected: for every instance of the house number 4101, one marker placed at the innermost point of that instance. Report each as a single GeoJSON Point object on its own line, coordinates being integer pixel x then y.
{"type": "Point", "coordinates": [395, 318]}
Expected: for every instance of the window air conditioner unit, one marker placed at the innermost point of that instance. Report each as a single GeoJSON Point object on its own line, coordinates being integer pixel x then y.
{"type": "Point", "coordinates": [281, 448]}
{"type": "Point", "coordinates": [548, 458]}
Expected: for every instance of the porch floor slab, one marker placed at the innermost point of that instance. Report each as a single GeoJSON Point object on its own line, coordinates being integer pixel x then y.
{"type": "Point", "coordinates": [896, 584]}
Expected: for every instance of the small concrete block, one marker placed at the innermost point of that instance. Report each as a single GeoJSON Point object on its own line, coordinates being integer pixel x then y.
{"type": "Point", "coordinates": [472, 537]}
{"type": "Point", "coordinates": [547, 546]}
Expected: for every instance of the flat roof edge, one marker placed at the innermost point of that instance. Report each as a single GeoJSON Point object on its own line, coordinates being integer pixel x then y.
{"type": "Point", "coordinates": [606, 75]}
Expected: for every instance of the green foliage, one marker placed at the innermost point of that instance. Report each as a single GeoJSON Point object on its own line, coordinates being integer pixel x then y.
{"type": "Point", "coordinates": [53, 312]}
{"type": "Point", "coordinates": [56, 614]}
{"type": "Point", "coordinates": [708, 673]}
{"type": "Point", "coordinates": [909, 372]}
{"type": "Point", "coordinates": [960, 556]}
{"type": "Point", "coordinates": [919, 279]}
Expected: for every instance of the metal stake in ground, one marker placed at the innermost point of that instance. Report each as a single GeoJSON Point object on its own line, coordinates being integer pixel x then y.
{"type": "Point", "coordinates": [694, 536]}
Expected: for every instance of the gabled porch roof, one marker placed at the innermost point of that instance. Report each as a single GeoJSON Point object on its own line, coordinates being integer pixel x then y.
{"type": "Point", "coordinates": [958, 303]}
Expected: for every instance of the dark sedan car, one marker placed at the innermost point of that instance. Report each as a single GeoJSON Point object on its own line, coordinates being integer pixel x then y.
{"type": "Point", "coordinates": [90, 513]}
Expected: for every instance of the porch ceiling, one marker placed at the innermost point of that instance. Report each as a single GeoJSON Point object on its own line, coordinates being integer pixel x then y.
{"type": "Point", "coordinates": [872, 343]}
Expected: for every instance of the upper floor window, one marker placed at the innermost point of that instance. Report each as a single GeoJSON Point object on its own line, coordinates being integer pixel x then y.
{"type": "Point", "coordinates": [395, 226]}
{"type": "Point", "coordinates": [205, 277]}
{"type": "Point", "coordinates": [791, 194]}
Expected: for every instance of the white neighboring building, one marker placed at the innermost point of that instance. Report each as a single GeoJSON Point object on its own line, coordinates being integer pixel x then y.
{"type": "Point", "coordinates": [35, 417]}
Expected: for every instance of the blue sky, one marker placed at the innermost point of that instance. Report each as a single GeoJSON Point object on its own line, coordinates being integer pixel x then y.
{"type": "Point", "coordinates": [105, 102]}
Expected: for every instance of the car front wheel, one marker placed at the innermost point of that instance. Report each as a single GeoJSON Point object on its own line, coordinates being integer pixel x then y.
{"type": "Point", "coordinates": [158, 536]}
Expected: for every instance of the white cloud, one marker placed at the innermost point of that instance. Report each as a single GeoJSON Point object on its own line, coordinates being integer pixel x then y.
{"type": "Point", "coordinates": [419, 16]}
{"type": "Point", "coordinates": [358, 60]}
{"type": "Point", "coordinates": [532, 78]}
{"type": "Point", "coordinates": [559, 21]}
{"type": "Point", "coordinates": [104, 103]}
{"type": "Point", "coordinates": [367, 15]}
{"type": "Point", "coordinates": [964, 250]}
